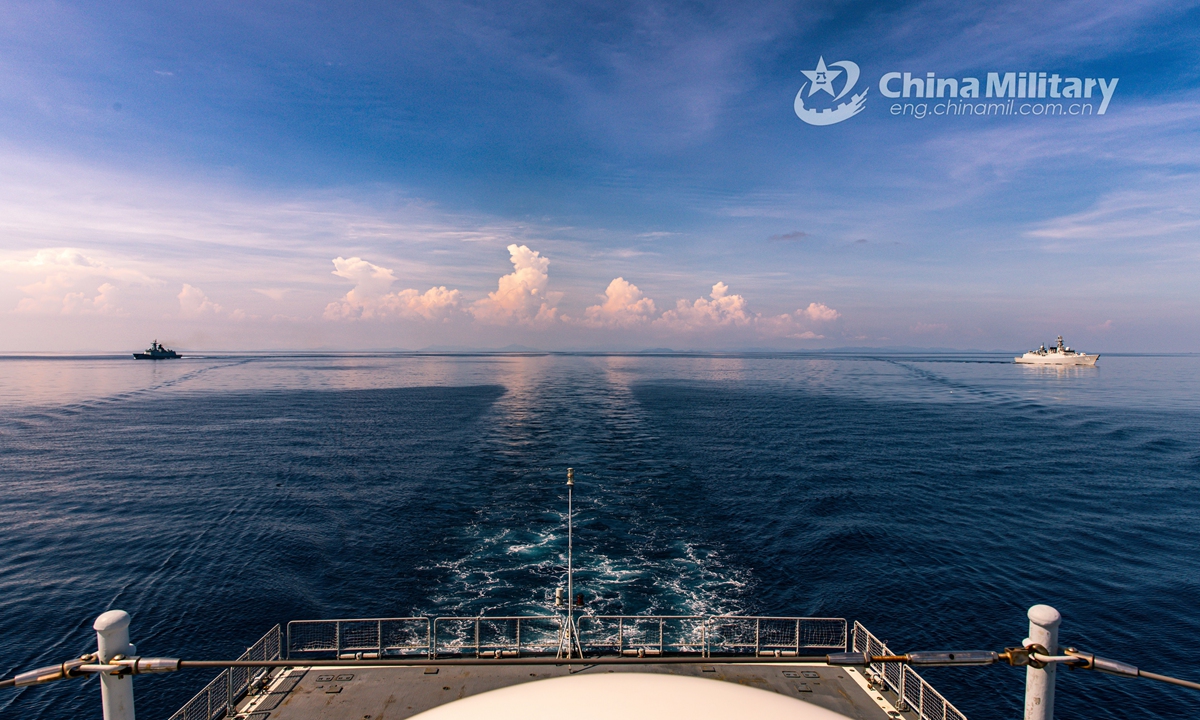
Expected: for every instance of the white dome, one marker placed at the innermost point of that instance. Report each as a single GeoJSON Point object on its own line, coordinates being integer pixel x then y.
{"type": "Point", "coordinates": [604, 696]}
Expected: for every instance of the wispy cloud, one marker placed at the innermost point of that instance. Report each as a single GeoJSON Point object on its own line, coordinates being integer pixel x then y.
{"type": "Point", "coordinates": [1166, 215]}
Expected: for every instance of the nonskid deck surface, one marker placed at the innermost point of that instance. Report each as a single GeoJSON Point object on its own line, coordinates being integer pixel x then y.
{"type": "Point", "coordinates": [394, 693]}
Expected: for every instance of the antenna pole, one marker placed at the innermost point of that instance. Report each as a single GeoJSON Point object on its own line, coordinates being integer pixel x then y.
{"type": "Point", "coordinates": [570, 560]}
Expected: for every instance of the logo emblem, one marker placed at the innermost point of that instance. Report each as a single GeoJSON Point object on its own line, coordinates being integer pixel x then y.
{"type": "Point", "coordinates": [822, 79]}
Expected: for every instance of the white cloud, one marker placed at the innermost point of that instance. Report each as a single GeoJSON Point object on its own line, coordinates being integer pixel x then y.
{"type": "Point", "coordinates": [521, 296]}
{"type": "Point", "coordinates": [103, 302]}
{"type": "Point", "coordinates": [371, 297]}
{"type": "Point", "coordinates": [819, 312]}
{"type": "Point", "coordinates": [623, 306]}
{"type": "Point", "coordinates": [64, 282]}
{"type": "Point", "coordinates": [1164, 214]}
{"type": "Point", "coordinates": [194, 303]}
{"type": "Point", "coordinates": [800, 324]}
{"type": "Point", "coordinates": [722, 310]}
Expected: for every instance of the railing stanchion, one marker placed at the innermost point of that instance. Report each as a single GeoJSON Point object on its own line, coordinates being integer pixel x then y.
{"type": "Point", "coordinates": [112, 638]}
{"type": "Point", "coordinates": [1039, 682]}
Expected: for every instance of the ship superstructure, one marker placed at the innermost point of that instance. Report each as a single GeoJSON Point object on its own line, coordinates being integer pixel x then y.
{"type": "Point", "coordinates": [1058, 355]}
{"type": "Point", "coordinates": [156, 351]}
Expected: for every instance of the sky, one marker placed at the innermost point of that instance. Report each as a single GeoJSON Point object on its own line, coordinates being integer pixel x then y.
{"type": "Point", "coordinates": [596, 176]}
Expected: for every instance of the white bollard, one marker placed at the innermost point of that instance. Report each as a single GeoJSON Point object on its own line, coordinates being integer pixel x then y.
{"type": "Point", "coordinates": [112, 639]}
{"type": "Point", "coordinates": [1039, 683]}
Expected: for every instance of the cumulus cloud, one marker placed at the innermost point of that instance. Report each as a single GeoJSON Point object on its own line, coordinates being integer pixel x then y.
{"type": "Point", "coordinates": [371, 296]}
{"type": "Point", "coordinates": [721, 310]}
{"type": "Point", "coordinates": [64, 282]}
{"type": "Point", "coordinates": [194, 303]}
{"type": "Point", "coordinates": [802, 324]}
{"type": "Point", "coordinates": [623, 306]}
{"type": "Point", "coordinates": [103, 302]}
{"type": "Point", "coordinates": [819, 312]}
{"type": "Point", "coordinates": [521, 296]}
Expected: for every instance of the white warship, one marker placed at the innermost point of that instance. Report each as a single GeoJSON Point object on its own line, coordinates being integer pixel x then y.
{"type": "Point", "coordinates": [1061, 355]}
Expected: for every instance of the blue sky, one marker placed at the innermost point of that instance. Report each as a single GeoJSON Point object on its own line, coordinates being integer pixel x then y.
{"type": "Point", "coordinates": [403, 175]}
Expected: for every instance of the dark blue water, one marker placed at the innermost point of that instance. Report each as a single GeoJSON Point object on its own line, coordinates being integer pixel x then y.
{"type": "Point", "coordinates": [935, 499]}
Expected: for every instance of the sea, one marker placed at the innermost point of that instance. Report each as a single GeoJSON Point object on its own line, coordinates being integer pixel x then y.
{"type": "Point", "coordinates": [932, 497]}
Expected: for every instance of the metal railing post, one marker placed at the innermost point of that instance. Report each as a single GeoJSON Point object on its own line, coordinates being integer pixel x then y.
{"type": "Point", "coordinates": [112, 638]}
{"type": "Point", "coordinates": [1039, 682]}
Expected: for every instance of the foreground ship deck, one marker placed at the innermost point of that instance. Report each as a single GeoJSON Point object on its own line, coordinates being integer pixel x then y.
{"type": "Point", "coordinates": [708, 648]}
{"type": "Point", "coordinates": [396, 693]}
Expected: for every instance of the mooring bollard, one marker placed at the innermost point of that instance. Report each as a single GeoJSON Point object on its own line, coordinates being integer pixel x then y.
{"type": "Point", "coordinates": [1039, 682]}
{"type": "Point", "coordinates": [112, 639]}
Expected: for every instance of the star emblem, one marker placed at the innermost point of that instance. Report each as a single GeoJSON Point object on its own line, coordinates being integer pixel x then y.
{"type": "Point", "coordinates": [822, 78]}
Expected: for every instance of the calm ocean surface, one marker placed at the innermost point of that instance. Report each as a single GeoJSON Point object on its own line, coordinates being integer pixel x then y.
{"type": "Point", "coordinates": [933, 498]}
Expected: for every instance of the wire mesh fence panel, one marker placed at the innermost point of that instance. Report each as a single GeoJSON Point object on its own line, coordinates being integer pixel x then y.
{"type": "Point", "coordinates": [540, 634]}
{"type": "Point", "coordinates": [491, 635]}
{"type": "Point", "coordinates": [732, 634]}
{"type": "Point", "coordinates": [912, 690]}
{"type": "Point", "coordinates": [312, 636]}
{"type": "Point", "coordinates": [453, 636]}
{"type": "Point", "coordinates": [918, 695]}
{"type": "Point", "coordinates": [822, 633]}
{"type": "Point", "coordinates": [629, 634]}
{"type": "Point", "coordinates": [405, 636]}
{"type": "Point", "coordinates": [220, 696]}
{"type": "Point", "coordinates": [358, 635]}
{"type": "Point", "coordinates": [369, 636]}
{"type": "Point", "coordinates": [267, 648]}
{"type": "Point", "coordinates": [780, 635]}
{"type": "Point", "coordinates": [210, 703]}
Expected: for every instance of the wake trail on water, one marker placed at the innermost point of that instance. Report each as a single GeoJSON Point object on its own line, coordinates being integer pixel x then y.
{"type": "Point", "coordinates": [633, 554]}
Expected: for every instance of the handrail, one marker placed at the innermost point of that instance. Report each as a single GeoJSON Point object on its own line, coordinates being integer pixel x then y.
{"type": "Point", "coordinates": [501, 648]}
{"type": "Point", "coordinates": [780, 635]}
{"type": "Point", "coordinates": [913, 692]}
{"type": "Point", "coordinates": [359, 637]}
{"type": "Point", "coordinates": [641, 648]}
{"type": "Point", "coordinates": [369, 638]}
{"type": "Point", "coordinates": [219, 697]}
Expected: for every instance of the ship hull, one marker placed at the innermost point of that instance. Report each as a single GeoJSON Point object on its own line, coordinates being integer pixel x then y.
{"type": "Point", "coordinates": [1079, 359]}
{"type": "Point", "coordinates": [156, 356]}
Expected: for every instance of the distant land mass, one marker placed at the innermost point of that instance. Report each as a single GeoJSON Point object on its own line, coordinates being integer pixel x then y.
{"type": "Point", "coordinates": [464, 349]}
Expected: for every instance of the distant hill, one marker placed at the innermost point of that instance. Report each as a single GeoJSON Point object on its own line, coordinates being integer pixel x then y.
{"type": "Point", "coordinates": [464, 349]}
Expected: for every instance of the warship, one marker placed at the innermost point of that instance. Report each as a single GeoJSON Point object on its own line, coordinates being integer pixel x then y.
{"type": "Point", "coordinates": [157, 352]}
{"type": "Point", "coordinates": [1059, 355]}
